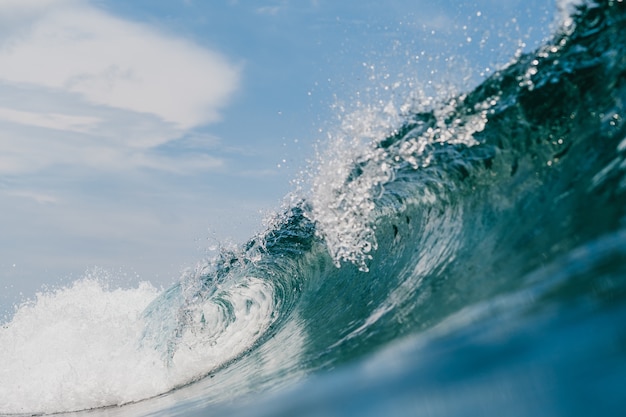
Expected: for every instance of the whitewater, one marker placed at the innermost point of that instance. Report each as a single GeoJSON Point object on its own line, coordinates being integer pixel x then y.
{"type": "Point", "coordinates": [461, 255]}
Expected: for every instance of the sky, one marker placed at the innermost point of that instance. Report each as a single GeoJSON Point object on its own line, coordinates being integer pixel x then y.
{"type": "Point", "coordinates": [135, 136]}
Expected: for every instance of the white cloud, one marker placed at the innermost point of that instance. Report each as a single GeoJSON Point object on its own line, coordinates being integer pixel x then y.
{"type": "Point", "coordinates": [189, 164]}
{"type": "Point", "coordinates": [274, 9]}
{"type": "Point", "coordinates": [121, 64]}
{"type": "Point", "coordinates": [73, 123]}
{"type": "Point", "coordinates": [38, 150]}
{"type": "Point", "coordinates": [116, 89]}
{"type": "Point", "coordinates": [11, 9]}
{"type": "Point", "coordinates": [39, 197]}
{"type": "Point", "coordinates": [269, 10]}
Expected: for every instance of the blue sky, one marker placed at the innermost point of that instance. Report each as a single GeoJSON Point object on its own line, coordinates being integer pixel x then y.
{"type": "Point", "coordinates": [133, 135]}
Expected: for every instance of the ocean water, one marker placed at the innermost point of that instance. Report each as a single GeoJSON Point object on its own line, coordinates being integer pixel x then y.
{"type": "Point", "coordinates": [468, 258]}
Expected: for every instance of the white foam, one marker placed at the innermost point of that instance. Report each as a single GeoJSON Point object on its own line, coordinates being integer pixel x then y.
{"type": "Point", "coordinates": [566, 11]}
{"type": "Point", "coordinates": [74, 348]}
{"type": "Point", "coordinates": [343, 203]}
{"type": "Point", "coordinates": [79, 347]}
{"type": "Point", "coordinates": [342, 208]}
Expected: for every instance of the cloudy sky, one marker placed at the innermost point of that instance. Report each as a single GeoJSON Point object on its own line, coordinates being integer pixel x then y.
{"type": "Point", "coordinates": [133, 135]}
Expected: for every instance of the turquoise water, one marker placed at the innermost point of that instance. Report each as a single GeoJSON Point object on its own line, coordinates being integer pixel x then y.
{"type": "Point", "coordinates": [469, 262]}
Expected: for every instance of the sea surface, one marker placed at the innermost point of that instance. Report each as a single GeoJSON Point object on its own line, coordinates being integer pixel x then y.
{"type": "Point", "coordinates": [470, 259]}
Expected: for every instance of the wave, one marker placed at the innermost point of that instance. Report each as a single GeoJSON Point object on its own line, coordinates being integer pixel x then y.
{"type": "Point", "coordinates": [506, 201]}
